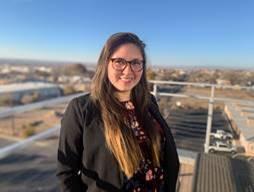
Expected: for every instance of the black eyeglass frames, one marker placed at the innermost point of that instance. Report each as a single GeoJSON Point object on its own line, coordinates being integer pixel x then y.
{"type": "Point", "coordinates": [120, 64]}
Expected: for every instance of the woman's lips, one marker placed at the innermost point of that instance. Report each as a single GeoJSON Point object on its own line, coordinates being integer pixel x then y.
{"type": "Point", "coordinates": [126, 79]}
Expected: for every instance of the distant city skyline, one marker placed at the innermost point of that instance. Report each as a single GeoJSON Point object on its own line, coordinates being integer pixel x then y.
{"type": "Point", "coordinates": [194, 33]}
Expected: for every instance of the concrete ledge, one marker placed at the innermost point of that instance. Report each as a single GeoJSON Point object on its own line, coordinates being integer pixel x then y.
{"type": "Point", "coordinates": [187, 157]}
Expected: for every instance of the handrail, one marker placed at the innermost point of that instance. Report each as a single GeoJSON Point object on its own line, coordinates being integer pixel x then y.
{"type": "Point", "coordinates": [13, 147]}
{"type": "Point", "coordinates": [200, 84]}
{"type": "Point", "coordinates": [20, 109]}
{"type": "Point", "coordinates": [210, 99]}
{"type": "Point", "coordinates": [4, 151]}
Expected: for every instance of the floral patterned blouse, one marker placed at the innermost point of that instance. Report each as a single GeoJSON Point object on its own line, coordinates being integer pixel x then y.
{"type": "Point", "coordinates": [147, 178]}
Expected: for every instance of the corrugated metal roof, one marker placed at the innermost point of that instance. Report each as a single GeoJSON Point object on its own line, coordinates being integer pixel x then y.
{"type": "Point", "coordinates": [15, 87]}
{"type": "Point", "coordinates": [217, 173]}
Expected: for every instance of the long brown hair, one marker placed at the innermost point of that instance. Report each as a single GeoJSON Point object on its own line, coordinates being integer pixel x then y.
{"type": "Point", "coordinates": [120, 139]}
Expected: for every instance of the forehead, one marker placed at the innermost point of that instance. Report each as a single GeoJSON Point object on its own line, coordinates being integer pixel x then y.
{"type": "Point", "coordinates": [128, 51]}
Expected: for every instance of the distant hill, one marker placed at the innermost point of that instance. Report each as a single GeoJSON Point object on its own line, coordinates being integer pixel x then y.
{"type": "Point", "coordinates": [35, 62]}
{"type": "Point", "coordinates": [74, 69]}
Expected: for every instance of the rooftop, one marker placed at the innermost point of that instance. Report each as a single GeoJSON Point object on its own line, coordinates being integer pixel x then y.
{"type": "Point", "coordinates": [15, 87]}
{"type": "Point", "coordinates": [217, 173]}
{"type": "Point", "coordinates": [241, 119]}
{"type": "Point", "coordinates": [31, 169]}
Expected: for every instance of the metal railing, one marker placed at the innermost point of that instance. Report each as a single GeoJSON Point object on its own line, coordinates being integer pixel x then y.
{"type": "Point", "coordinates": [29, 107]}
{"type": "Point", "coordinates": [22, 144]}
{"type": "Point", "coordinates": [186, 157]}
{"type": "Point", "coordinates": [210, 99]}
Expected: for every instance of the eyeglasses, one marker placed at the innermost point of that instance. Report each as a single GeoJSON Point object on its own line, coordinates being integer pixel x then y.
{"type": "Point", "coordinates": [120, 64]}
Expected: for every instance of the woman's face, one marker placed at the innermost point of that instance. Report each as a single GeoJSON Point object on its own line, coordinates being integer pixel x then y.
{"type": "Point", "coordinates": [125, 80]}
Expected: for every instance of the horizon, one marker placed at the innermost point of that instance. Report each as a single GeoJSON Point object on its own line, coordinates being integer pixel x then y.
{"type": "Point", "coordinates": [183, 34]}
{"type": "Point", "coordinates": [93, 65]}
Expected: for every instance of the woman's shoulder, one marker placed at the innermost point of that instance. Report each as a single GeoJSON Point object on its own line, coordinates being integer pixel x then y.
{"type": "Point", "coordinates": [81, 108]}
{"type": "Point", "coordinates": [82, 99]}
{"type": "Point", "coordinates": [82, 102]}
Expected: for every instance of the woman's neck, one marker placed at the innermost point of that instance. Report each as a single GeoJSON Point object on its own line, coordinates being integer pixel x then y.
{"type": "Point", "coordinates": [123, 96]}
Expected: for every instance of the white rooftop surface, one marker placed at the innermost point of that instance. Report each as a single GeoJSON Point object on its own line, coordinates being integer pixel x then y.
{"type": "Point", "coordinates": [15, 87]}
{"type": "Point", "coordinates": [249, 109]}
{"type": "Point", "coordinates": [246, 104]}
{"type": "Point", "coordinates": [241, 121]}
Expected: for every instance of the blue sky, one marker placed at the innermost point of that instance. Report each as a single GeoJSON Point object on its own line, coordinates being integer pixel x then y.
{"type": "Point", "coordinates": [177, 32]}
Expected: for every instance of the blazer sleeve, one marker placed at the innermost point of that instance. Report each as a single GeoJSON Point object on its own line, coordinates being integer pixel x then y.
{"type": "Point", "coordinates": [70, 149]}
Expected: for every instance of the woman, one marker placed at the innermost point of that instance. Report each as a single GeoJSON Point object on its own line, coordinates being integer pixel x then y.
{"type": "Point", "coordinates": [115, 139]}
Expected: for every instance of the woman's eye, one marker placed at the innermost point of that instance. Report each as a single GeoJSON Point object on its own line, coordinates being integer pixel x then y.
{"type": "Point", "coordinates": [120, 61]}
{"type": "Point", "coordinates": [136, 62]}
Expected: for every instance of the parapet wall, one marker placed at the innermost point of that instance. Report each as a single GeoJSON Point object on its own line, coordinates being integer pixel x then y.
{"type": "Point", "coordinates": [241, 124]}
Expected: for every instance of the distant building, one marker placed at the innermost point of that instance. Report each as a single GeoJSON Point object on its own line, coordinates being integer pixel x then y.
{"type": "Point", "coordinates": [73, 79]}
{"type": "Point", "coordinates": [14, 69]}
{"type": "Point", "coordinates": [223, 82]}
{"type": "Point", "coordinates": [44, 69]}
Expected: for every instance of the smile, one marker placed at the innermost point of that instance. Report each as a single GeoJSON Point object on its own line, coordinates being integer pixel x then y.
{"type": "Point", "coordinates": [126, 79]}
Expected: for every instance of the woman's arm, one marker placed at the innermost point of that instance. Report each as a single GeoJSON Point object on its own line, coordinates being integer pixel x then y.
{"type": "Point", "coordinates": [70, 149]}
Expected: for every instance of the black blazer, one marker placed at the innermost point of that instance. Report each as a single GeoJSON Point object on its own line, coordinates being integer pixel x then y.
{"type": "Point", "coordinates": [84, 161]}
